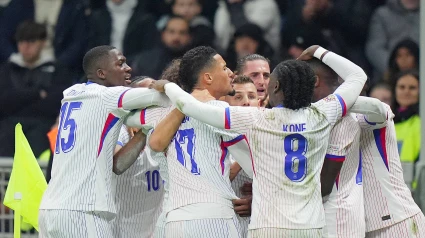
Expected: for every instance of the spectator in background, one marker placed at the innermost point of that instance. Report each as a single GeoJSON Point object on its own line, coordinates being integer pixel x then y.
{"type": "Point", "coordinates": [383, 92]}
{"type": "Point", "coordinates": [397, 20]}
{"type": "Point", "coordinates": [296, 40]}
{"type": "Point", "coordinates": [342, 23]}
{"type": "Point", "coordinates": [248, 39]}
{"type": "Point", "coordinates": [201, 28]}
{"type": "Point", "coordinates": [125, 25]}
{"type": "Point", "coordinates": [232, 14]}
{"type": "Point", "coordinates": [405, 56]}
{"type": "Point", "coordinates": [66, 24]}
{"type": "Point", "coordinates": [407, 121]}
{"type": "Point", "coordinates": [175, 40]}
{"type": "Point", "coordinates": [30, 90]}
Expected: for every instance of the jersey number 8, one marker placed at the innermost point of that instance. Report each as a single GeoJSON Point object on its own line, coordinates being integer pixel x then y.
{"type": "Point", "coordinates": [295, 147]}
{"type": "Point", "coordinates": [66, 123]}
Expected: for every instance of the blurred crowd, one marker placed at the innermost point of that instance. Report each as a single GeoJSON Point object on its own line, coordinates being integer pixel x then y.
{"type": "Point", "coordinates": [42, 43]}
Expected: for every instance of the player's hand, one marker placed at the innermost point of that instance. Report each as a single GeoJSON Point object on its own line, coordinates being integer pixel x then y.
{"type": "Point", "coordinates": [246, 189]}
{"type": "Point", "coordinates": [308, 53]}
{"type": "Point", "coordinates": [132, 131]}
{"type": "Point", "coordinates": [262, 102]}
{"type": "Point", "coordinates": [242, 206]}
{"type": "Point", "coordinates": [158, 85]}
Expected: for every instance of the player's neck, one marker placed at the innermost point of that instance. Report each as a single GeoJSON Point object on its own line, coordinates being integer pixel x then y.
{"type": "Point", "coordinates": [202, 94]}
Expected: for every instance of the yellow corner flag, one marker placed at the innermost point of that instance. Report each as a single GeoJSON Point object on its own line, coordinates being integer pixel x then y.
{"type": "Point", "coordinates": [26, 184]}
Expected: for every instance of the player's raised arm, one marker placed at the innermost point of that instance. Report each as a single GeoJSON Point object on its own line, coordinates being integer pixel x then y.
{"type": "Point", "coordinates": [373, 109]}
{"type": "Point", "coordinates": [353, 75]}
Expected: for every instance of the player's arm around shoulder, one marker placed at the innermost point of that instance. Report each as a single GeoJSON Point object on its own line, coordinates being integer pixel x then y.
{"type": "Point", "coordinates": [125, 98]}
{"type": "Point", "coordinates": [376, 121]}
{"type": "Point", "coordinates": [373, 109]}
{"type": "Point", "coordinates": [127, 153]}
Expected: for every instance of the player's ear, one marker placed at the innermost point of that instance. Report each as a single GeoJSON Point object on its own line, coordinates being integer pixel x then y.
{"type": "Point", "coordinates": [100, 74]}
{"type": "Point", "coordinates": [316, 84]}
{"type": "Point", "coordinates": [207, 78]}
{"type": "Point", "coordinates": [276, 87]}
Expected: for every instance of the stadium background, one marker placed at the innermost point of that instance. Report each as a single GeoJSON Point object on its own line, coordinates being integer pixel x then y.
{"type": "Point", "coordinates": [382, 36]}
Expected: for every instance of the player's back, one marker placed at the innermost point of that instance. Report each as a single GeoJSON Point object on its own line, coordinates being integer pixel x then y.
{"type": "Point", "coordinates": [388, 200]}
{"type": "Point", "coordinates": [201, 150]}
{"type": "Point", "coordinates": [90, 118]}
{"type": "Point", "coordinates": [288, 149]}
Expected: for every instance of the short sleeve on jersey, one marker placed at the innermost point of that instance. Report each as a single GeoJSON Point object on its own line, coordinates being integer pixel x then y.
{"type": "Point", "coordinates": [123, 137]}
{"type": "Point", "coordinates": [364, 124]}
{"type": "Point", "coordinates": [333, 106]}
{"type": "Point", "coordinates": [342, 136]}
{"type": "Point", "coordinates": [242, 119]}
{"type": "Point", "coordinates": [147, 118]}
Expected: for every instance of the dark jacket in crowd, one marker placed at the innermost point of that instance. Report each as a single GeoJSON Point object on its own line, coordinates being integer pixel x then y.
{"type": "Point", "coordinates": [140, 35]}
{"type": "Point", "coordinates": [21, 101]}
{"type": "Point", "coordinates": [152, 62]}
{"type": "Point", "coordinates": [70, 42]}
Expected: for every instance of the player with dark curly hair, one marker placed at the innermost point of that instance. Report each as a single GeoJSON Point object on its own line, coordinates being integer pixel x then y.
{"type": "Point", "coordinates": [288, 142]}
{"type": "Point", "coordinates": [202, 199]}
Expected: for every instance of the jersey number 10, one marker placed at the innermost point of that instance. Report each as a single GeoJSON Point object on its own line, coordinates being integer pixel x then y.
{"type": "Point", "coordinates": [67, 124]}
{"type": "Point", "coordinates": [295, 146]}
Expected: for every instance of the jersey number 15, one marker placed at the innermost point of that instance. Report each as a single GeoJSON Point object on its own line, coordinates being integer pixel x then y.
{"type": "Point", "coordinates": [65, 143]}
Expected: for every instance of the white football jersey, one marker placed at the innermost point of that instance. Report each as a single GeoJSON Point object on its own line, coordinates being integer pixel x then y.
{"type": "Point", "coordinates": [91, 116]}
{"type": "Point", "coordinates": [203, 151]}
{"type": "Point", "coordinates": [289, 148]}
{"type": "Point", "coordinates": [139, 194]}
{"type": "Point", "coordinates": [388, 200]}
{"type": "Point", "coordinates": [344, 209]}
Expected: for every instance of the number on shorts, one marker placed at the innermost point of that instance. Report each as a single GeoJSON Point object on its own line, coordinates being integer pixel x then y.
{"type": "Point", "coordinates": [67, 123]}
{"type": "Point", "coordinates": [295, 146]}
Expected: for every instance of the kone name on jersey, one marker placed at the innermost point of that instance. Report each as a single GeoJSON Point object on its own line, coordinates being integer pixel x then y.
{"type": "Point", "coordinates": [294, 127]}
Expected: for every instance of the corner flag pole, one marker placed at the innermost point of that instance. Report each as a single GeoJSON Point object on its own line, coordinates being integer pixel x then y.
{"type": "Point", "coordinates": [17, 216]}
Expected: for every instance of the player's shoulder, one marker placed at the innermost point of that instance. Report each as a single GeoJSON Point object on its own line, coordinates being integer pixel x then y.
{"type": "Point", "coordinates": [328, 99]}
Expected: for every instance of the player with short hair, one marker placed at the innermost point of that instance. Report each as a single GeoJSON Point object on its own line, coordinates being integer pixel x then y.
{"type": "Point", "coordinates": [288, 142]}
{"type": "Point", "coordinates": [341, 178]}
{"type": "Point", "coordinates": [245, 95]}
{"type": "Point", "coordinates": [200, 197]}
{"type": "Point", "coordinates": [147, 119]}
{"type": "Point", "coordinates": [79, 201]}
{"type": "Point", "coordinates": [390, 210]}
{"type": "Point", "coordinates": [256, 67]}
{"type": "Point", "coordinates": [139, 189]}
